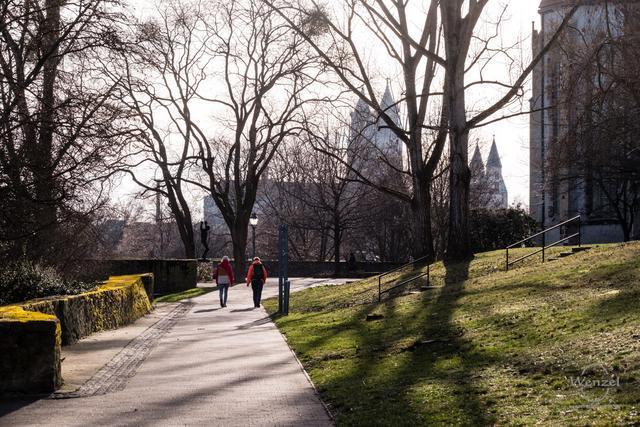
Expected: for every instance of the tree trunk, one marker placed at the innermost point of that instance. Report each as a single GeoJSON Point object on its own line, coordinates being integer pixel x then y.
{"type": "Point", "coordinates": [185, 228]}
{"type": "Point", "coordinates": [181, 214]}
{"type": "Point", "coordinates": [627, 226]}
{"type": "Point", "coordinates": [239, 233]}
{"type": "Point", "coordinates": [458, 247]}
{"type": "Point", "coordinates": [627, 233]}
{"type": "Point", "coordinates": [337, 240]}
{"type": "Point", "coordinates": [45, 186]}
{"type": "Point", "coordinates": [322, 257]}
{"type": "Point", "coordinates": [421, 201]}
{"type": "Point", "coordinates": [421, 213]}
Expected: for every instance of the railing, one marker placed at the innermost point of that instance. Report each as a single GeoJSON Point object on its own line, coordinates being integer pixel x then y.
{"type": "Point", "coordinates": [544, 247]}
{"type": "Point", "coordinates": [404, 282]}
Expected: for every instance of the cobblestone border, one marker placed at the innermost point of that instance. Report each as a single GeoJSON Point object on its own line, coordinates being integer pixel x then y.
{"type": "Point", "coordinates": [115, 374]}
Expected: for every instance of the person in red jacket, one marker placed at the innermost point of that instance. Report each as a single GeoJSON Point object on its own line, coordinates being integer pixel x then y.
{"type": "Point", "coordinates": [224, 279]}
{"type": "Point", "coordinates": [256, 277]}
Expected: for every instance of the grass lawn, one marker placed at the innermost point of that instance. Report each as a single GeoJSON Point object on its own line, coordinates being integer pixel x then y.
{"type": "Point", "coordinates": [484, 347]}
{"type": "Point", "coordinates": [190, 293]}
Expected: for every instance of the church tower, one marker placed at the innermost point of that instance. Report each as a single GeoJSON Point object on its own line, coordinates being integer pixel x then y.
{"type": "Point", "coordinates": [360, 133]}
{"type": "Point", "coordinates": [499, 197]}
{"type": "Point", "coordinates": [476, 166]}
{"type": "Point", "coordinates": [373, 148]}
{"type": "Point", "coordinates": [386, 140]}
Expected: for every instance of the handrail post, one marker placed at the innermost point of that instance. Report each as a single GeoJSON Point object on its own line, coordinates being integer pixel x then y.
{"type": "Point", "coordinates": [379, 288]}
{"type": "Point", "coordinates": [580, 231]}
{"type": "Point", "coordinates": [544, 244]}
{"type": "Point", "coordinates": [507, 269]}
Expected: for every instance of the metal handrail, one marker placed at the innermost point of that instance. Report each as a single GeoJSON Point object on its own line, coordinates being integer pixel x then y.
{"type": "Point", "coordinates": [403, 266]}
{"type": "Point", "coordinates": [422, 259]}
{"type": "Point", "coordinates": [542, 250]}
{"type": "Point", "coordinates": [413, 279]}
{"type": "Point", "coordinates": [544, 232]}
{"type": "Point", "coordinates": [546, 247]}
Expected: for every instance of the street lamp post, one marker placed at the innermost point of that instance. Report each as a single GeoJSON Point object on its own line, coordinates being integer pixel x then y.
{"type": "Point", "coordinates": [253, 220]}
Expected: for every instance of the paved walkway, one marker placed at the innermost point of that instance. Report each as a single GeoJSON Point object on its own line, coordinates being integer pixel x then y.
{"type": "Point", "coordinates": [187, 364]}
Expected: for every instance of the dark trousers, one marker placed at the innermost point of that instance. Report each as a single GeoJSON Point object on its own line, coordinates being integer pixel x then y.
{"type": "Point", "coordinates": [256, 286]}
{"type": "Point", "coordinates": [224, 291]}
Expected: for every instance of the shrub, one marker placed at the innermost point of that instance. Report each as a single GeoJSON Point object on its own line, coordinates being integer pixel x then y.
{"type": "Point", "coordinates": [23, 280]}
{"type": "Point", "coordinates": [497, 229]}
{"type": "Point", "coordinates": [205, 272]}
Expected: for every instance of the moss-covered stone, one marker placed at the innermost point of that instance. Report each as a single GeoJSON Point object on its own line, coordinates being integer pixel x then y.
{"type": "Point", "coordinates": [19, 314]}
{"type": "Point", "coordinates": [119, 301]}
{"type": "Point", "coordinates": [31, 333]}
{"type": "Point", "coordinates": [29, 351]}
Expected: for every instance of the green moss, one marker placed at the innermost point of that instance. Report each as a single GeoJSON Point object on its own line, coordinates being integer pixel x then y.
{"type": "Point", "coordinates": [18, 314]}
{"type": "Point", "coordinates": [117, 302]}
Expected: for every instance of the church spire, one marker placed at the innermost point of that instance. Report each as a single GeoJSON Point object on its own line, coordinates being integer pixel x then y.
{"type": "Point", "coordinates": [476, 165]}
{"type": "Point", "coordinates": [389, 104]}
{"type": "Point", "coordinates": [494, 158]}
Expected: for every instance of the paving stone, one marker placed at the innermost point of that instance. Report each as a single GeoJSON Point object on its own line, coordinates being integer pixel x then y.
{"type": "Point", "coordinates": [198, 365]}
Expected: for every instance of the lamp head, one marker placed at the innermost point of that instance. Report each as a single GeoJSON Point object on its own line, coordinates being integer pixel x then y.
{"type": "Point", "coordinates": [253, 220]}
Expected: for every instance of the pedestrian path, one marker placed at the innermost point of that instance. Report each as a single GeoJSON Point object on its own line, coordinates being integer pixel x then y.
{"type": "Point", "coordinates": [213, 366]}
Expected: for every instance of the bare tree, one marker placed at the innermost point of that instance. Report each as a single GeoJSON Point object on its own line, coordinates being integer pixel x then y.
{"type": "Point", "coordinates": [268, 74]}
{"type": "Point", "coordinates": [388, 24]}
{"type": "Point", "coordinates": [436, 63]}
{"type": "Point", "coordinates": [56, 140]}
{"type": "Point", "coordinates": [157, 77]}
{"type": "Point", "coordinates": [216, 94]}
{"type": "Point", "coordinates": [459, 21]}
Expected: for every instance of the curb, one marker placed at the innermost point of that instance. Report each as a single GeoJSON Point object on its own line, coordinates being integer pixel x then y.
{"type": "Point", "coordinates": [306, 375]}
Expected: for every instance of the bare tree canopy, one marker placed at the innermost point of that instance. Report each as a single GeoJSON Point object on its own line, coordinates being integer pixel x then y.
{"type": "Point", "coordinates": [431, 47]}
{"type": "Point", "coordinates": [216, 93]}
{"type": "Point", "coordinates": [56, 138]}
{"type": "Point", "coordinates": [333, 39]}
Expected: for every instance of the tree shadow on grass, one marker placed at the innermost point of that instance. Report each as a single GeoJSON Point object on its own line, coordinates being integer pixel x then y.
{"type": "Point", "coordinates": [392, 381]}
{"type": "Point", "coordinates": [464, 379]}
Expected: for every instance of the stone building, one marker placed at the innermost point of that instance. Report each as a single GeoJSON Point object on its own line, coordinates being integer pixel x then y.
{"type": "Point", "coordinates": [561, 187]}
{"type": "Point", "coordinates": [372, 148]}
{"type": "Point", "coordinates": [488, 189]}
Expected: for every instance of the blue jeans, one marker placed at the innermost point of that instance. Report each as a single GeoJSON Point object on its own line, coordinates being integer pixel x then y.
{"type": "Point", "coordinates": [224, 291]}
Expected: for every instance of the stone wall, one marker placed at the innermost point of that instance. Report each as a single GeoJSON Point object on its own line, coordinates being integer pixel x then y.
{"type": "Point", "coordinates": [327, 269]}
{"type": "Point", "coordinates": [29, 351]}
{"type": "Point", "coordinates": [120, 301]}
{"type": "Point", "coordinates": [170, 275]}
{"type": "Point", "coordinates": [31, 333]}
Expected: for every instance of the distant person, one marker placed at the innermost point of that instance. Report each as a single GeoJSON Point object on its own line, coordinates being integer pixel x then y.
{"type": "Point", "coordinates": [256, 277]}
{"type": "Point", "coordinates": [224, 279]}
{"type": "Point", "coordinates": [351, 264]}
